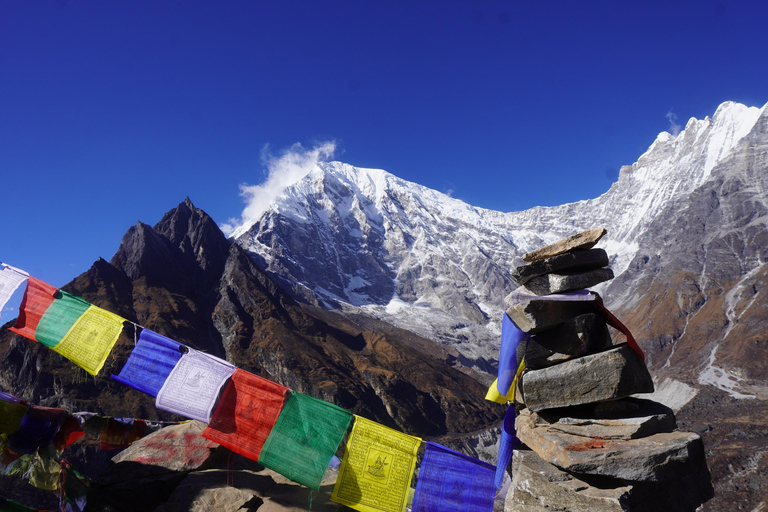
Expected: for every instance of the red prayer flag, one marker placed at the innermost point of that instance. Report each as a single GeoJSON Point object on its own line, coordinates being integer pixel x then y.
{"type": "Point", "coordinates": [246, 413]}
{"type": "Point", "coordinates": [616, 324]}
{"type": "Point", "coordinates": [37, 298]}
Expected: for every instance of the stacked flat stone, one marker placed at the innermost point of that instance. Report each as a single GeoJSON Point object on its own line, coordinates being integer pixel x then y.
{"type": "Point", "coordinates": [589, 445]}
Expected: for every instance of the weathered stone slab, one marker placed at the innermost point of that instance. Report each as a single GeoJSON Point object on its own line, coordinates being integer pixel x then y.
{"type": "Point", "coordinates": [208, 490]}
{"type": "Point", "coordinates": [570, 261]}
{"type": "Point", "coordinates": [538, 486]}
{"type": "Point", "coordinates": [573, 338]}
{"type": "Point", "coordinates": [615, 373]}
{"type": "Point", "coordinates": [565, 282]}
{"type": "Point", "coordinates": [645, 419]}
{"type": "Point", "coordinates": [579, 241]}
{"type": "Point", "coordinates": [538, 315]}
{"type": "Point", "coordinates": [177, 448]}
{"type": "Point", "coordinates": [288, 496]}
{"type": "Point", "coordinates": [652, 458]}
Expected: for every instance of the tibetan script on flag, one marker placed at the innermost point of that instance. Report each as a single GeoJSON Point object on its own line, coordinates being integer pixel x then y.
{"type": "Point", "coordinates": [376, 473]}
{"type": "Point", "coordinates": [306, 436]}
{"type": "Point", "coordinates": [91, 339]}
{"type": "Point", "coordinates": [452, 482]}
{"type": "Point", "coordinates": [246, 413]}
{"type": "Point", "coordinates": [150, 362]}
{"type": "Point", "coordinates": [76, 329]}
{"type": "Point", "coordinates": [193, 385]}
{"type": "Point", "coordinates": [37, 297]}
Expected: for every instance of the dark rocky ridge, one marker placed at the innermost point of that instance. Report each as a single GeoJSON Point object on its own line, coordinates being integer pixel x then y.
{"type": "Point", "coordinates": [184, 279]}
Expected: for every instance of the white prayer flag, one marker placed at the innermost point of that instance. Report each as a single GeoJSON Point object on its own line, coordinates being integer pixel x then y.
{"type": "Point", "coordinates": [10, 279]}
{"type": "Point", "coordinates": [193, 385]}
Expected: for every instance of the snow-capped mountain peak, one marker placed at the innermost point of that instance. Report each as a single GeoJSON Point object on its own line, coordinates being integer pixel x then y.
{"type": "Point", "coordinates": [347, 237]}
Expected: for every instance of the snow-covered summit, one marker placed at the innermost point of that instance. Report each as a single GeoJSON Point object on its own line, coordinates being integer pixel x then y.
{"type": "Point", "coordinates": [347, 237]}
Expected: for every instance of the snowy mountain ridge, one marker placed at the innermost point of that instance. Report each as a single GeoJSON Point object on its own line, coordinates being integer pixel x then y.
{"type": "Point", "coordinates": [345, 237]}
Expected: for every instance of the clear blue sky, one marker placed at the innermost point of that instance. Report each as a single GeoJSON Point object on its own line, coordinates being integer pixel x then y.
{"type": "Point", "coordinates": [114, 111]}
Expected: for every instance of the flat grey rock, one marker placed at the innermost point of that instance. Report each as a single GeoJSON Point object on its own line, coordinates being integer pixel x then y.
{"type": "Point", "coordinates": [176, 448]}
{"type": "Point", "coordinates": [615, 373]}
{"type": "Point", "coordinates": [569, 261]}
{"type": "Point", "coordinates": [579, 241]}
{"type": "Point", "coordinates": [645, 419]}
{"type": "Point", "coordinates": [538, 486]}
{"type": "Point", "coordinates": [573, 338]}
{"type": "Point", "coordinates": [538, 315]}
{"type": "Point", "coordinates": [564, 282]}
{"type": "Point", "coordinates": [649, 459]}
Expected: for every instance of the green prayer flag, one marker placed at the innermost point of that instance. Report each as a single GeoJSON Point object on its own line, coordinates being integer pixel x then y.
{"type": "Point", "coordinates": [305, 438]}
{"type": "Point", "coordinates": [59, 318]}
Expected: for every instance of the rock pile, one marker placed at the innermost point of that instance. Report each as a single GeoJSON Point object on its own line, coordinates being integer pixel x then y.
{"type": "Point", "coordinates": [589, 445]}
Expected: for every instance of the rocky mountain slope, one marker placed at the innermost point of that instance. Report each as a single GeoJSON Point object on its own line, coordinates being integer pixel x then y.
{"type": "Point", "coordinates": [686, 236]}
{"type": "Point", "coordinates": [368, 255]}
{"type": "Point", "coordinates": [184, 279]}
{"type": "Point", "coordinates": [440, 267]}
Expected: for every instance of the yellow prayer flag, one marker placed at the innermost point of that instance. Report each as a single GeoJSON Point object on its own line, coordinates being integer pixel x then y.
{"type": "Point", "coordinates": [91, 338]}
{"type": "Point", "coordinates": [44, 471]}
{"type": "Point", "coordinates": [376, 473]}
{"type": "Point", "coordinates": [493, 391]}
{"type": "Point", "coordinates": [494, 396]}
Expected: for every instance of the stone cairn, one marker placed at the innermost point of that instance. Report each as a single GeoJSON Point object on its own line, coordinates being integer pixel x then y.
{"type": "Point", "coordinates": [588, 445]}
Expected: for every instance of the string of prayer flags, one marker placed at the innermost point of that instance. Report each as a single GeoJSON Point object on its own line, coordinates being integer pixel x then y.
{"type": "Point", "coordinates": [305, 438]}
{"type": "Point", "coordinates": [76, 329]}
{"type": "Point", "coordinates": [376, 472]}
{"type": "Point", "coordinates": [511, 355]}
{"type": "Point", "coordinates": [452, 482]}
{"type": "Point", "coordinates": [151, 361]}
{"type": "Point", "coordinates": [246, 413]}
{"type": "Point", "coordinates": [116, 433]}
{"type": "Point", "coordinates": [193, 385]}
{"type": "Point", "coordinates": [507, 444]}
{"type": "Point", "coordinates": [10, 279]}
{"type": "Point", "coordinates": [121, 433]}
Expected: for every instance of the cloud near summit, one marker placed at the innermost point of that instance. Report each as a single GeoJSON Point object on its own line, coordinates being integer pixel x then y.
{"type": "Point", "coordinates": [282, 171]}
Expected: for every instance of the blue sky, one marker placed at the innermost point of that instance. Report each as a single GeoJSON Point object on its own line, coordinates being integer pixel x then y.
{"type": "Point", "coordinates": [114, 111]}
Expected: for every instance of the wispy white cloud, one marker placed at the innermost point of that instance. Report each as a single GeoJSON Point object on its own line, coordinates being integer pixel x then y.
{"type": "Point", "coordinates": [674, 128]}
{"type": "Point", "coordinates": [282, 171]}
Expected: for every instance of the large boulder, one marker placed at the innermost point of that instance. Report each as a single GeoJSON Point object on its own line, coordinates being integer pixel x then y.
{"type": "Point", "coordinates": [652, 458]}
{"type": "Point", "coordinates": [538, 486]}
{"type": "Point", "coordinates": [576, 337]}
{"type": "Point", "coordinates": [640, 418]}
{"type": "Point", "coordinates": [615, 373]}
{"type": "Point", "coordinates": [566, 281]}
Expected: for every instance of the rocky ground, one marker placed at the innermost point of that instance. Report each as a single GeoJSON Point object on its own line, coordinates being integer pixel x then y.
{"type": "Point", "coordinates": [736, 446]}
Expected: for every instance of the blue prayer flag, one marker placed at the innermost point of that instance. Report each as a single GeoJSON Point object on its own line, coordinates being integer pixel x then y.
{"type": "Point", "coordinates": [507, 443]}
{"type": "Point", "coordinates": [452, 482]}
{"type": "Point", "coordinates": [150, 363]}
{"type": "Point", "coordinates": [38, 428]}
{"type": "Point", "coordinates": [513, 344]}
